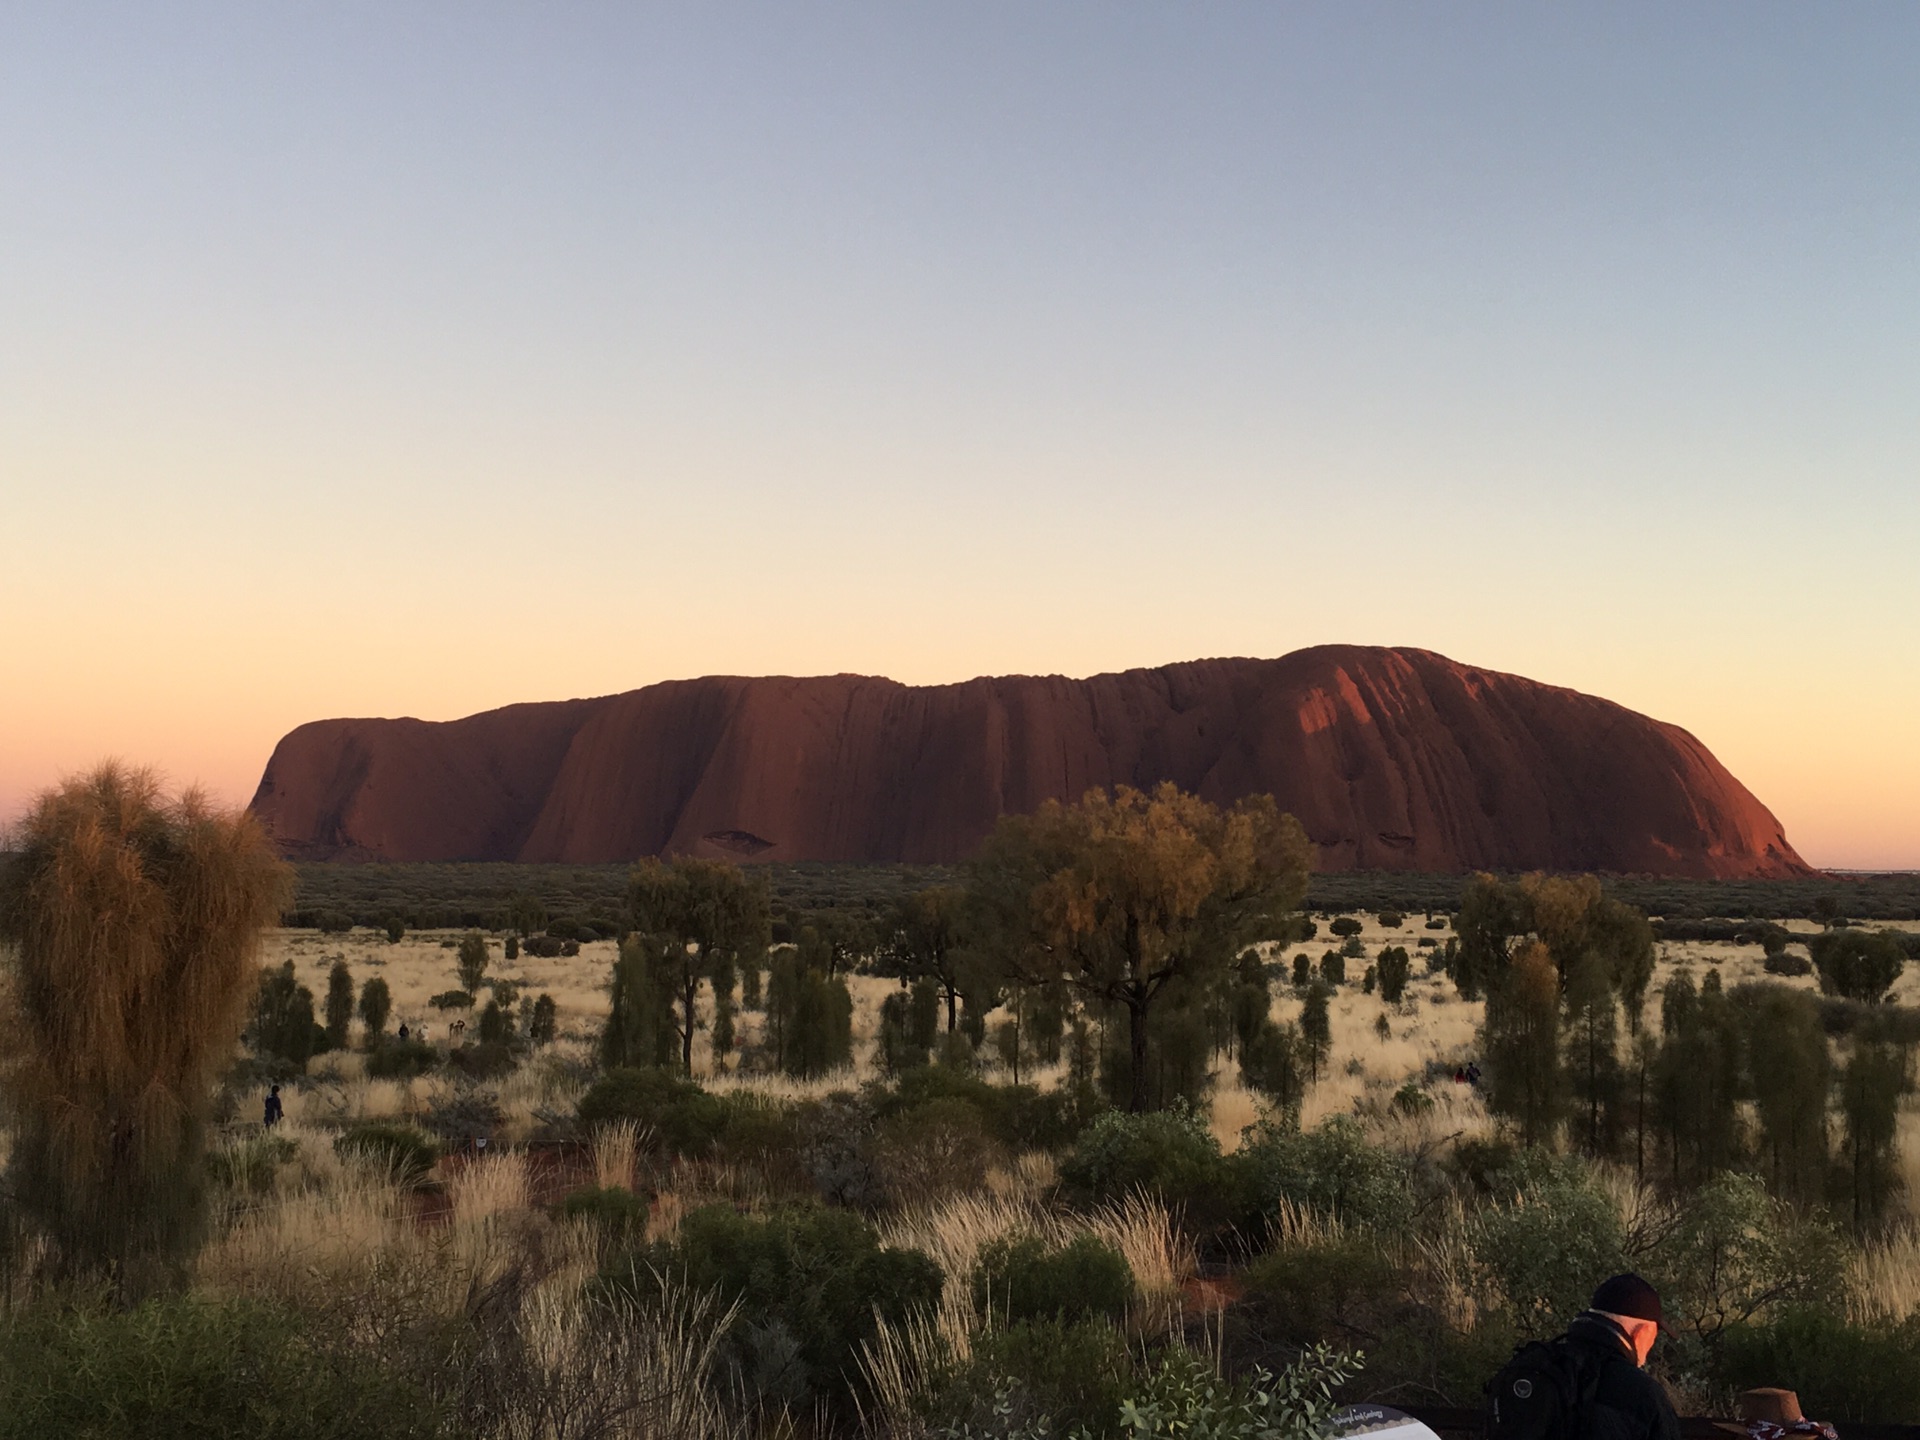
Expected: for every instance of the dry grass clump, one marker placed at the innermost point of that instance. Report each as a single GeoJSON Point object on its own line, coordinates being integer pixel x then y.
{"type": "Point", "coordinates": [1883, 1278]}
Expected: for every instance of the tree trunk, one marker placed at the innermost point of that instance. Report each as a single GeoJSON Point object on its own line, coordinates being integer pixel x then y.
{"type": "Point", "coordinates": [689, 998]}
{"type": "Point", "coordinates": [1137, 1040]}
{"type": "Point", "coordinates": [953, 999]}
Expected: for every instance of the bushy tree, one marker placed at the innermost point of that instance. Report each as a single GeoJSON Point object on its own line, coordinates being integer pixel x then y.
{"type": "Point", "coordinates": [1333, 969]}
{"type": "Point", "coordinates": [1858, 964]}
{"type": "Point", "coordinates": [376, 1004]}
{"type": "Point", "coordinates": [283, 1025]}
{"type": "Point", "coordinates": [396, 929]}
{"type": "Point", "coordinates": [1523, 1045]}
{"type": "Point", "coordinates": [707, 914]}
{"type": "Point", "coordinates": [472, 962]}
{"type": "Point", "coordinates": [543, 1022]}
{"type": "Point", "coordinates": [923, 939]}
{"type": "Point", "coordinates": [1877, 1075]}
{"type": "Point", "coordinates": [134, 920]}
{"type": "Point", "coordinates": [339, 1004]}
{"type": "Point", "coordinates": [640, 1028]}
{"type": "Point", "coordinates": [1791, 1075]}
{"type": "Point", "coordinates": [1394, 966]}
{"type": "Point", "coordinates": [1123, 894]}
{"type": "Point", "coordinates": [1698, 1084]}
{"type": "Point", "coordinates": [1346, 927]}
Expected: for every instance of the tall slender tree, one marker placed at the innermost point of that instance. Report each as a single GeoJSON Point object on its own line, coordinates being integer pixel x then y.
{"type": "Point", "coordinates": [339, 1004]}
{"type": "Point", "coordinates": [135, 921]}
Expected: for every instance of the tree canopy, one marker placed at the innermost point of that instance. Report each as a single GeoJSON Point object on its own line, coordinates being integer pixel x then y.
{"type": "Point", "coordinates": [1125, 894]}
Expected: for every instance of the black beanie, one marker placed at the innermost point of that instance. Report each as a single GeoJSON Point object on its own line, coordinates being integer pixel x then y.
{"type": "Point", "coordinates": [1629, 1295]}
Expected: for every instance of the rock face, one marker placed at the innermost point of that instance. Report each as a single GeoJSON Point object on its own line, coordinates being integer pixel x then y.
{"type": "Point", "coordinates": [1393, 759]}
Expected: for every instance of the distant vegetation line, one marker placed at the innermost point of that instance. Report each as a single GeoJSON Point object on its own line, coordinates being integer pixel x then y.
{"type": "Point", "coordinates": [478, 893]}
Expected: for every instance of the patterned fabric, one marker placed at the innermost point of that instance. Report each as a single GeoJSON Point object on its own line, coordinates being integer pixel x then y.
{"type": "Point", "coordinates": [1798, 1430]}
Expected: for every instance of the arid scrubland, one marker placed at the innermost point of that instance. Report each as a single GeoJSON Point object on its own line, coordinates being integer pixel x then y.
{"type": "Point", "coordinates": [960, 1168]}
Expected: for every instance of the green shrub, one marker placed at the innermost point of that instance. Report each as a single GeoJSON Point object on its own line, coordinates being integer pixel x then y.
{"type": "Point", "coordinates": [544, 947]}
{"type": "Point", "coordinates": [452, 1000]}
{"type": "Point", "coordinates": [612, 1210]}
{"type": "Point", "coordinates": [1331, 1169]}
{"type": "Point", "coordinates": [1021, 1117]}
{"type": "Point", "coordinates": [247, 1165]}
{"type": "Point", "coordinates": [541, 1026]}
{"type": "Point", "coordinates": [488, 1060]}
{"type": "Point", "coordinates": [1345, 925]}
{"type": "Point", "coordinates": [1329, 1291]}
{"type": "Point", "coordinates": [376, 1004]}
{"type": "Point", "coordinates": [393, 1059]}
{"type": "Point", "coordinates": [1184, 1395]}
{"type": "Point", "coordinates": [1019, 1278]}
{"type": "Point", "coordinates": [396, 929]}
{"type": "Point", "coordinates": [1392, 919]}
{"type": "Point", "coordinates": [1545, 1244]}
{"type": "Point", "coordinates": [406, 1153]}
{"type": "Point", "coordinates": [1841, 1371]}
{"type": "Point", "coordinates": [1036, 1378]}
{"type": "Point", "coordinates": [1857, 964]}
{"type": "Point", "coordinates": [685, 1120]}
{"type": "Point", "coordinates": [1169, 1153]}
{"type": "Point", "coordinates": [332, 922]}
{"type": "Point", "coordinates": [809, 1281]}
{"type": "Point", "coordinates": [1780, 962]}
{"type": "Point", "coordinates": [194, 1369]}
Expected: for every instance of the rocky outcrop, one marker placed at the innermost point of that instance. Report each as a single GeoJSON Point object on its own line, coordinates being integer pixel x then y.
{"type": "Point", "coordinates": [1393, 759]}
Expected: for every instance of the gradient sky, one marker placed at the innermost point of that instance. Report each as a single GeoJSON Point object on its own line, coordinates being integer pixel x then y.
{"type": "Point", "coordinates": [398, 359]}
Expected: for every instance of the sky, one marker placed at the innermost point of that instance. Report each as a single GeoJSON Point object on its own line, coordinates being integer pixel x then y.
{"type": "Point", "coordinates": [414, 359]}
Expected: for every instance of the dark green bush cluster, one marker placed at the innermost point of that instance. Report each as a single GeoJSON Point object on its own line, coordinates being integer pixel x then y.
{"type": "Point", "coordinates": [684, 1119]}
{"type": "Point", "coordinates": [1023, 1279]}
{"type": "Point", "coordinates": [1021, 1117]}
{"type": "Point", "coordinates": [811, 1282]}
{"type": "Point", "coordinates": [614, 1211]}
{"type": "Point", "coordinates": [190, 1369]}
{"type": "Point", "coordinates": [393, 1059]}
{"type": "Point", "coordinates": [406, 1153]}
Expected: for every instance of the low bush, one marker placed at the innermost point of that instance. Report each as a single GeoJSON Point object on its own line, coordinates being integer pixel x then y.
{"type": "Point", "coordinates": [682, 1115]}
{"type": "Point", "coordinates": [545, 947]}
{"type": "Point", "coordinates": [1168, 1153]}
{"type": "Point", "coordinates": [810, 1282]}
{"type": "Point", "coordinates": [1841, 1371]}
{"type": "Point", "coordinates": [612, 1210]}
{"type": "Point", "coordinates": [1781, 962]}
{"type": "Point", "coordinates": [193, 1369]}
{"type": "Point", "coordinates": [488, 1060]}
{"type": "Point", "coordinates": [1019, 1278]}
{"type": "Point", "coordinates": [406, 1153]}
{"type": "Point", "coordinates": [1345, 926]}
{"type": "Point", "coordinates": [247, 1165]}
{"type": "Point", "coordinates": [1036, 1378]}
{"type": "Point", "coordinates": [452, 1000]}
{"type": "Point", "coordinates": [401, 1059]}
{"type": "Point", "coordinates": [1331, 1169]}
{"type": "Point", "coordinates": [1331, 1291]}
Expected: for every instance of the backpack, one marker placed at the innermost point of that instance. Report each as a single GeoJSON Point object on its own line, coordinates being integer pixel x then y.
{"type": "Point", "coordinates": [1545, 1392]}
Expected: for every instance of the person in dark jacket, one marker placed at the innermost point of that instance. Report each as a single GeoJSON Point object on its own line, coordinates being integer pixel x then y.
{"type": "Point", "coordinates": [274, 1110]}
{"type": "Point", "coordinates": [1617, 1331]}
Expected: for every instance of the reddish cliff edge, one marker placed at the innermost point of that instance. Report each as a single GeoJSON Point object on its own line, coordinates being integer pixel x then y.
{"type": "Point", "coordinates": [1393, 759]}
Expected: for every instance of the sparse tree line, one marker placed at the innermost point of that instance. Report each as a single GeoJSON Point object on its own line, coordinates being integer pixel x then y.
{"type": "Point", "coordinates": [788, 1266]}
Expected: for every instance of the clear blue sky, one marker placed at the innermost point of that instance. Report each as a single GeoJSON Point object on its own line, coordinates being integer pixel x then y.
{"type": "Point", "coordinates": [409, 359]}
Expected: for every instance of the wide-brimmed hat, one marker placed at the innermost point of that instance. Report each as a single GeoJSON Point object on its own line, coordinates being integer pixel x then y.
{"type": "Point", "coordinates": [1765, 1406]}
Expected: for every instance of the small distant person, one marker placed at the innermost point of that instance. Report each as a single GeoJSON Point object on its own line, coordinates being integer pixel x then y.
{"type": "Point", "coordinates": [274, 1109]}
{"type": "Point", "coordinates": [403, 1029]}
{"type": "Point", "coordinates": [1459, 1075]}
{"type": "Point", "coordinates": [1473, 1076]}
{"type": "Point", "coordinates": [1590, 1383]}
